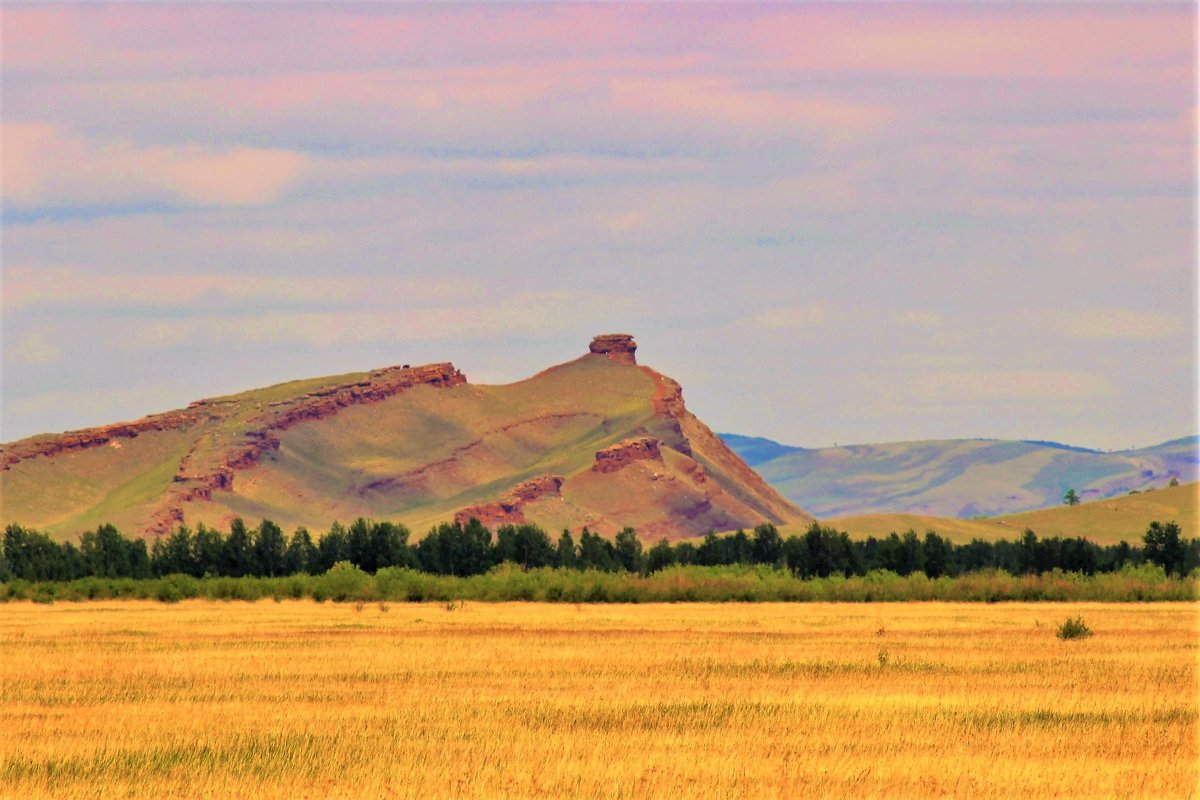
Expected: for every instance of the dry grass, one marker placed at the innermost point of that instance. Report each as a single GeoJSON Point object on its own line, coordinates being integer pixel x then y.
{"type": "Point", "coordinates": [297, 699]}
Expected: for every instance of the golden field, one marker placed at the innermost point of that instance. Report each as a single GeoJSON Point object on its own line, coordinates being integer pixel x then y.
{"type": "Point", "coordinates": [298, 699]}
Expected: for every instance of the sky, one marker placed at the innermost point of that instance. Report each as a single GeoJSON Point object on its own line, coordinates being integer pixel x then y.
{"type": "Point", "coordinates": [831, 223]}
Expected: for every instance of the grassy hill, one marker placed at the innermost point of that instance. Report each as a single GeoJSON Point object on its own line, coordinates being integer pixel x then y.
{"type": "Point", "coordinates": [961, 478]}
{"type": "Point", "coordinates": [416, 445]}
{"type": "Point", "coordinates": [1104, 521]}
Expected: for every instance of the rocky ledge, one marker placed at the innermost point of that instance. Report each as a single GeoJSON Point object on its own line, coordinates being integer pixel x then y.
{"type": "Point", "coordinates": [639, 448]}
{"type": "Point", "coordinates": [509, 510]}
{"type": "Point", "coordinates": [10, 454]}
{"type": "Point", "coordinates": [618, 347]}
{"type": "Point", "coordinates": [200, 474]}
{"type": "Point", "coordinates": [379, 385]}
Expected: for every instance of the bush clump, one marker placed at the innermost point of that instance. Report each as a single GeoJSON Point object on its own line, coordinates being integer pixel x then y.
{"type": "Point", "coordinates": [1074, 628]}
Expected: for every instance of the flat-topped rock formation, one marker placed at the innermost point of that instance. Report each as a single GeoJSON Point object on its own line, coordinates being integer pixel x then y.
{"type": "Point", "coordinates": [619, 347]}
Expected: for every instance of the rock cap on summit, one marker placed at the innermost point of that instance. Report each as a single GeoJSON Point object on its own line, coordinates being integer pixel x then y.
{"type": "Point", "coordinates": [615, 346]}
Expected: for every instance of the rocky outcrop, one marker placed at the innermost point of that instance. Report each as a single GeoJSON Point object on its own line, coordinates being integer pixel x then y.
{"type": "Point", "coordinates": [200, 474]}
{"type": "Point", "coordinates": [10, 454]}
{"type": "Point", "coordinates": [248, 449]}
{"type": "Point", "coordinates": [639, 448]}
{"type": "Point", "coordinates": [509, 510]}
{"type": "Point", "coordinates": [379, 385]}
{"type": "Point", "coordinates": [211, 463]}
{"type": "Point", "coordinates": [619, 347]}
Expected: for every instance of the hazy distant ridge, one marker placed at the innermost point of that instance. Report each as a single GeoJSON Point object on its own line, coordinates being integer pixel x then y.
{"type": "Point", "coordinates": [959, 477]}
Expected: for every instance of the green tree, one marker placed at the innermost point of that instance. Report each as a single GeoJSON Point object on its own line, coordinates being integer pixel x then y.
{"type": "Point", "coordinates": [628, 550]}
{"type": "Point", "coordinates": [527, 545]}
{"type": "Point", "coordinates": [34, 556]}
{"type": "Point", "coordinates": [1163, 545]}
{"type": "Point", "coordinates": [457, 549]}
{"type": "Point", "coordinates": [711, 551]}
{"type": "Point", "coordinates": [208, 549]}
{"type": "Point", "coordinates": [659, 557]}
{"type": "Point", "coordinates": [332, 548]}
{"type": "Point", "coordinates": [596, 552]}
{"type": "Point", "coordinates": [739, 548]}
{"type": "Point", "coordinates": [1030, 554]}
{"type": "Point", "coordinates": [568, 553]}
{"type": "Point", "coordinates": [358, 545]}
{"type": "Point", "coordinates": [269, 549]}
{"type": "Point", "coordinates": [301, 554]}
{"type": "Point", "coordinates": [938, 552]}
{"type": "Point", "coordinates": [174, 554]}
{"type": "Point", "coordinates": [389, 545]}
{"type": "Point", "coordinates": [684, 553]}
{"type": "Point", "coordinates": [767, 546]}
{"type": "Point", "coordinates": [109, 555]}
{"type": "Point", "coordinates": [237, 553]}
{"type": "Point", "coordinates": [1071, 498]}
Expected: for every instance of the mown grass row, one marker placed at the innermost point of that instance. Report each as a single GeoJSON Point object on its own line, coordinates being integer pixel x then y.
{"type": "Point", "coordinates": [347, 583]}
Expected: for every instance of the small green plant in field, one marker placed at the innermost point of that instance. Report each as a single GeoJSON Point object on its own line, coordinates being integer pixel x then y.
{"type": "Point", "coordinates": [1074, 628]}
{"type": "Point", "coordinates": [883, 658]}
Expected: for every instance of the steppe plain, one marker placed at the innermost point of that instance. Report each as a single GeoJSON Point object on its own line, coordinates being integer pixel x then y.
{"type": "Point", "coordinates": [300, 699]}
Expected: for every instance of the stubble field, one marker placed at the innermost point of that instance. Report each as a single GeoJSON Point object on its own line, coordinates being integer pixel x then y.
{"type": "Point", "coordinates": [298, 699]}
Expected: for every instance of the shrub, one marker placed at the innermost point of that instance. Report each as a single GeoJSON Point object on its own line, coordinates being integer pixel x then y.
{"type": "Point", "coordinates": [344, 581]}
{"type": "Point", "coordinates": [1074, 628]}
{"type": "Point", "coordinates": [168, 592]}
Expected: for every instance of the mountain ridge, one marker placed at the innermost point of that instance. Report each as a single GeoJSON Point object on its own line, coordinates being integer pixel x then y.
{"type": "Point", "coordinates": [960, 478]}
{"type": "Point", "coordinates": [414, 444]}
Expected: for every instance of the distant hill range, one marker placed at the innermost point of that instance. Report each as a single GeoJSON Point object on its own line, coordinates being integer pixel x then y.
{"type": "Point", "coordinates": [960, 478]}
{"type": "Point", "coordinates": [599, 442]}
{"type": "Point", "coordinates": [1108, 521]}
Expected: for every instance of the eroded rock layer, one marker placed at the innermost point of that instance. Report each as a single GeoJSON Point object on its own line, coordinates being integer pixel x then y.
{"type": "Point", "coordinates": [641, 448]}
{"type": "Point", "coordinates": [509, 510]}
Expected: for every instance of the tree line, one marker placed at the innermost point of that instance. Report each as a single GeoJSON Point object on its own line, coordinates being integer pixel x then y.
{"type": "Point", "coordinates": [471, 549]}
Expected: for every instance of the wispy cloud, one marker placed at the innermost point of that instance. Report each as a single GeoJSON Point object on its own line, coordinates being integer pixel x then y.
{"type": "Point", "coordinates": [810, 316]}
{"type": "Point", "coordinates": [78, 287]}
{"type": "Point", "coordinates": [1120, 323]}
{"type": "Point", "coordinates": [918, 318]}
{"type": "Point", "coordinates": [46, 166]}
{"type": "Point", "coordinates": [37, 349]}
{"type": "Point", "coordinates": [1029, 385]}
{"type": "Point", "coordinates": [542, 314]}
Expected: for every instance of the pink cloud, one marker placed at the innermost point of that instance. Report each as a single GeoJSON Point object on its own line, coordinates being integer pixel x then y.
{"type": "Point", "coordinates": [44, 164]}
{"type": "Point", "coordinates": [1047, 42]}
